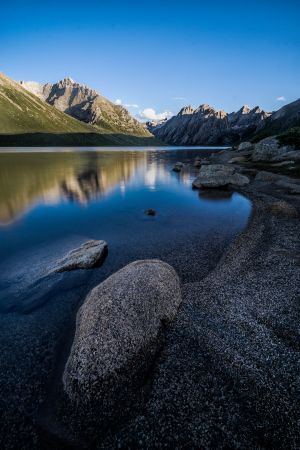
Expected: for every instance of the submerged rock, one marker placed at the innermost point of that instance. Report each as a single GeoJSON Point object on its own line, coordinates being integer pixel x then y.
{"type": "Point", "coordinates": [219, 175]}
{"type": "Point", "coordinates": [90, 254]}
{"type": "Point", "coordinates": [150, 212]}
{"type": "Point", "coordinates": [118, 331]}
{"type": "Point", "coordinates": [178, 166]}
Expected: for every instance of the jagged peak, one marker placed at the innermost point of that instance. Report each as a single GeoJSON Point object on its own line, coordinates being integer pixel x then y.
{"type": "Point", "coordinates": [70, 83]}
{"type": "Point", "coordinates": [186, 110]}
{"type": "Point", "coordinates": [205, 108]}
{"type": "Point", "coordinates": [257, 110]}
{"type": "Point", "coordinates": [245, 109]}
{"type": "Point", "coordinates": [69, 80]}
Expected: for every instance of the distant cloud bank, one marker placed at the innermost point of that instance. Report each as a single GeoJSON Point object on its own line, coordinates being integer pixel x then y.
{"type": "Point", "coordinates": [151, 114]}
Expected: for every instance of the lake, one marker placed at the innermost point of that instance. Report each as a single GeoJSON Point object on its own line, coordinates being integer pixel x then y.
{"type": "Point", "coordinates": [53, 197]}
{"type": "Point", "coordinates": [52, 200]}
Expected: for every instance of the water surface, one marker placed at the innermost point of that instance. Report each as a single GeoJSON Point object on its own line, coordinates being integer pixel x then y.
{"type": "Point", "coordinates": [50, 197]}
{"type": "Point", "coordinates": [51, 201]}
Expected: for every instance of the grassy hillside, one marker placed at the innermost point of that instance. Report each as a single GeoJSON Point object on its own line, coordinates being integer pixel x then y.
{"type": "Point", "coordinates": [25, 120]}
{"type": "Point", "coordinates": [116, 119]}
{"type": "Point", "coordinates": [23, 112]}
{"type": "Point", "coordinates": [74, 140]}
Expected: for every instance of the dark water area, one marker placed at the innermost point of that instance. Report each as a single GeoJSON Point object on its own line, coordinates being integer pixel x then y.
{"type": "Point", "coordinates": [50, 202]}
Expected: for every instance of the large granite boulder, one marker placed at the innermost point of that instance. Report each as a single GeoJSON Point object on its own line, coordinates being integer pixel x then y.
{"type": "Point", "coordinates": [90, 254]}
{"type": "Point", "coordinates": [269, 150]}
{"type": "Point", "coordinates": [219, 175]}
{"type": "Point", "coordinates": [118, 332]}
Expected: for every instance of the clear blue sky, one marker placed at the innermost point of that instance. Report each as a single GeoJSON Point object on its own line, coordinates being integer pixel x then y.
{"type": "Point", "coordinates": [159, 54]}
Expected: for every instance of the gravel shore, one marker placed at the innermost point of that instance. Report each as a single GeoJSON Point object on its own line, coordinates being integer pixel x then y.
{"type": "Point", "coordinates": [228, 376]}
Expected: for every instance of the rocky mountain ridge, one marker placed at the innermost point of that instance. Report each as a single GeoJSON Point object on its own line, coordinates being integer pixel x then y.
{"type": "Point", "coordinates": [206, 125]}
{"type": "Point", "coordinates": [87, 105]}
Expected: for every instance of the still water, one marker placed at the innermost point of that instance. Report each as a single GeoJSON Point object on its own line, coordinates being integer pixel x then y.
{"type": "Point", "coordinates": [55, 198]}
{"type": "Point", "coordinates": [50, 202]}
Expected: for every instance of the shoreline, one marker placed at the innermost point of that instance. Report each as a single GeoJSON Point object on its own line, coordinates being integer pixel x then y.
{"type": "Point", "coordinates": [228, 372]}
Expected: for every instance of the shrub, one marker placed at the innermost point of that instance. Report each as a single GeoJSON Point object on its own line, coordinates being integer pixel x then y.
{"type": "Point", "coordinates": [290, 137]}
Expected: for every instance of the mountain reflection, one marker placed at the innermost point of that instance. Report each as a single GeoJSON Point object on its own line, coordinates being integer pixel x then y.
{"type": "Point", "coordinates": [31, 178]}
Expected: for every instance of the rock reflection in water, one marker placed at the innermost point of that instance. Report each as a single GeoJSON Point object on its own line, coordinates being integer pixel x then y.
{"type": "Point", "coordinates": [50, 177]}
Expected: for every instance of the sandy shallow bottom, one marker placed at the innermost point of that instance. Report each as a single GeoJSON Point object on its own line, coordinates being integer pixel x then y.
{"type": "Point", "coordinates": [37, 320]}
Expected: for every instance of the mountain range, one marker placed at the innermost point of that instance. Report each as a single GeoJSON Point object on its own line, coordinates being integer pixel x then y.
{"type": "Point", "coordinates": [69, 113]}
{"type": "Point", "coordinates": [208, 126]}
{"type": "Point", "coordinates": [64, 113]}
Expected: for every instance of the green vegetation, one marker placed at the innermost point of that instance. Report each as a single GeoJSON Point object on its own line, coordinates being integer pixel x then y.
{"type": "Point", "coordinates": [28, 121]}
{"type": "Point", "coordinates": [290, 137]}
{"type": "Point", "coordinates": [23, 112]}
{"type": "Point", "coordinates": [74, 140]}
{"type": "Point", "coordinates": [285, 118]}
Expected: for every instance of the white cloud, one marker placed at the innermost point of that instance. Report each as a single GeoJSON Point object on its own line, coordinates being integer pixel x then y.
{"type": "Point", "coordinates": [127, 105]}
{"type": "Point", "coordinates": [131, 105]}
{"type": "Point", "coordinates": [150, 114]}
{"type": "Point", "coordinates": [178, 98]}
{"type": "Point", "coordinates": [281, 98]}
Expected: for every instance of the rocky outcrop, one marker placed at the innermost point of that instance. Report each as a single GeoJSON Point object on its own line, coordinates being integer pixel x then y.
{"type": "Point", "coordinates": [269, 150]}
{"type": "Point", "coordinates": [245, 146]}
{"type": "Point", "coordinates": [206, 125]}
{"type": "Point", "coordinates": [118, 331]}
{"type": "Point", "coordinates": [286, 117]}
{"type": "Point", "coordinates": [86, 105]}
{"type": "Point", "coordinates": [88, 255]}
{"type": "Point", "coordinates": [219, 175]}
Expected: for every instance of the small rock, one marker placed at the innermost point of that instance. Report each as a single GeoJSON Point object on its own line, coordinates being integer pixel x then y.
{"type": "Point", "coordinates": [263, 175]}
{"type": "Point", "coordinates": [197, 162]}
{"type": "Point", "coordinates": [205, 162]}
{"type": "Point", "coordinates": [289, 187]}
{"type": "Point", "coordinates": [283, 209]}
{"type": "Point", "coordinates": [178, 167]}
{"type": "Point", "coordinates": [90, 254]}
{"type": "Point", "coordinates": [294, 155]}
{"type": "Point", "coordinates": [237, 159]}
{"type": "Point", "coordinates": [150, 212]}
{"type": "Point", "coordinates": [283, 164]}
{"type": "Point", "coordinates": [245, 146]}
